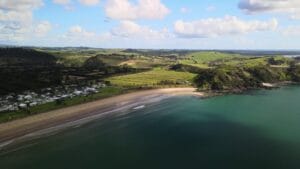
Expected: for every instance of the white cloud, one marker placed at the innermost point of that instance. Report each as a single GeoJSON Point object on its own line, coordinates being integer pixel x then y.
{"type": "Point", "coordinates": [89, 2]}
{"type": "Point", "coordinates": [291, 31]}
{"type": "Point", "coordinates": [129, 29]}
{"type": "Point", "coordinates": [62, 2]}
{"type": "Point", "coordinates": [42, 28]}
{"type": "Point", "coordinates": [214, 27]}
{"type": "Point", "coordinates": [77, 33]}
{"type": "Point", "coordinates": [78, 36]}
{"type": "Point", "coordinates": [16, 18]}
{"type": "Point", "coordinates": [20, 5]}
{"type": "Point", "coordinates": [68, 3]}
{"type": "Point", "coordinates": [244, 41]}
{"type": "Point", "coordinates": [16, 33]}
{"type": "Point", "coordinates": [290, 7]}
{"type": "Point", "coordinates": [18, 10]}
{"type": "Point", "coordinates": [144, 9]}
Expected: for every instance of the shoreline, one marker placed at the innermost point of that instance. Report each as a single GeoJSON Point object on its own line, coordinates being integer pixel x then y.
{"type": "Point", "coordinates": [56, 120]}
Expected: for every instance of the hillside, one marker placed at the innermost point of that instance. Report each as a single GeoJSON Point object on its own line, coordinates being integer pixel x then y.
{"type": "Point", "coordinates": [24, 69]}
{"type": "Point", "coordinates": [25, 57]}
{"type": "Point", "coordinates": [116, 71]}
{"type": "Point", "coordinates": [154, 78]}
{"type": "Point", "coordinates": [204, 59]}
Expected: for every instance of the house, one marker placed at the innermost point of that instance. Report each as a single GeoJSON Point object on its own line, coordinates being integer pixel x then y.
{"type": "Point", "coordinates": [32, 104]}
{"type": "Point", "coordinates": [28, 97]}
{"type": "Point", "coordinates": [77, 92]}
{"type": "Point", "coordinates": [23, 106]}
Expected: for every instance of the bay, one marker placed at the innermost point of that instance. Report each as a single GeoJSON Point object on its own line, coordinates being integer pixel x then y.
{"type": "Point", "coordinates": [257, 129]}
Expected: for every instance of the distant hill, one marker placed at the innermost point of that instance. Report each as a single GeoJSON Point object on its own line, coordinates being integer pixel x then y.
{"type": "Point", "coordinates": [159, 52]}
{"type": "Point", "coordinates": [27, 69]}
{"type": "Point", "coordinates": [25, 57]}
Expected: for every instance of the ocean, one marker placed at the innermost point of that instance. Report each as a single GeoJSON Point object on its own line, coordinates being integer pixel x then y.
{"type": "Point", "coordinates": [254, 130]}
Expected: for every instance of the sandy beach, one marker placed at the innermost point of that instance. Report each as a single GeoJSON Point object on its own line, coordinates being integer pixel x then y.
{"type": "Point", "coordinates": [71, 116]}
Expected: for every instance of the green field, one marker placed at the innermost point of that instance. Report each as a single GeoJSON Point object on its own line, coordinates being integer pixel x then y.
{"type": "Point", "coordinates": [128, 70]}
{"type": "Point", "coordinates": [135, 61]}
{"type": "Point", "coordinates": [279, 61]}
{"type": "Point", "coordinates": [202, 59]}
{"type": "Point", "coordinates": [214, 59]}
{"type": "Point", "coordinates": [153, 78]}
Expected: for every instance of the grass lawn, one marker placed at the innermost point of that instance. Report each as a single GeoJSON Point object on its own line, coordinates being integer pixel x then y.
{"type": "Point", "coordinates": [255, 62]}
{"type": "Point", "coordinates": [153, 78]}
{"type": "Point", "coordinates": [211, 56]}
{"type": "Point", "coordinates": [202, 59]}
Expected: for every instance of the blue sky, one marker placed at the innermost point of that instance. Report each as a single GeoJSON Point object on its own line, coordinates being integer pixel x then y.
{"type": "Point", "coordinates": [189, 24]}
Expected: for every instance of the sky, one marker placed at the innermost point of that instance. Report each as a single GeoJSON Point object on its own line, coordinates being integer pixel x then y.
{"type": "Point", "coordinates": [152, 24]}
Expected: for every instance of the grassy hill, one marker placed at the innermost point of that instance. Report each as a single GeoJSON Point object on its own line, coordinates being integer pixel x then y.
{"type": "Point", "coordinates": [25, 57]}
{"type": "Point", "coordinates": [23, 69]}
{"type": "Point", "coordinates": [127, 70]}
{"type": "Point", "coordinates": [89, 62]}
{"type": "Point", "coordinates": [154, 78]}
{"type": "Point", "coordinates": [203, 59]}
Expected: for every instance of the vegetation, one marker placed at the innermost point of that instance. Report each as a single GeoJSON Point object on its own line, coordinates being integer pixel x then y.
{"type": "Point", "coordinates": [104, 93]}
{"type": "Point", "coordinates": [240, 78]}
{"type": "Point", "coordinates": [294, 72]}
{"type": "Point", "coordinates": [155, 78]}
{"type": "Point", "coordinates": [25, 57]}
{"type": "Point", "coordinates": [24, 69]}
{"type": "Point", "coordinates": [204, 59]}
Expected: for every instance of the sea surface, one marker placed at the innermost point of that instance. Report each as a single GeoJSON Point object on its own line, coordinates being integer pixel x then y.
{"type": "Point", "coordinates": [254, 130]}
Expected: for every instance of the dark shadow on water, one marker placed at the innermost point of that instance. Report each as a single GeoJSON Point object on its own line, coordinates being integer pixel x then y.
{"type": "Point", "coordinates": [168, 143]}
{"type": "Point", "coordinates": [217, 143]}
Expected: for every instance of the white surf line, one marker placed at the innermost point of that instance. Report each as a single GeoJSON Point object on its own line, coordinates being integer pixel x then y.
{"type": "Point", "coordinates": [139, 107]}
{"type": "Point", "coordinates": [2, 145]}
{"type": "Point", "coordinates": [82, 121]}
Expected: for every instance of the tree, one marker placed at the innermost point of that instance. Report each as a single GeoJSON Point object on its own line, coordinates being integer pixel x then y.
{"type": "Point", "coordinates": [94, 63]}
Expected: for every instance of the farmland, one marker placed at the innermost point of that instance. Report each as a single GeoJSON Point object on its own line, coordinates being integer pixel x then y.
{"type": "Point", "coordinates": [68, 74]}
{"type": "Point", "coordinates": [154, 78]}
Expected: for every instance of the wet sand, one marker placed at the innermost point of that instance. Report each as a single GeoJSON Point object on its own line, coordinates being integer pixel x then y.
{"type": "Point", "coordinates": [76, 115]}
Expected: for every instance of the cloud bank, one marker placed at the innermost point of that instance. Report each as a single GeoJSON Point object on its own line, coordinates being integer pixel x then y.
{"type": "Point", "coordinates": [214, 27]}
{"type": "Point", "coordinates": [143, 9]}
{"type": "Point", "coordinates": [289, 7]}
{"type": "Point", "coordinates": [89, 2]}
{"type": "Point", "coordinates": [129, 29]}
{"type": "Point", "coordinates": [16, 18]}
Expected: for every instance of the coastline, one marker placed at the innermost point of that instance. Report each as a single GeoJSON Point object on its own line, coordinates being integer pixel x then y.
{"type": "Point", "coordinates": [41, 124]}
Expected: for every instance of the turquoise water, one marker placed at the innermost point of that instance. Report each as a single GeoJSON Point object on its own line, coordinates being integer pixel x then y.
{"type": "Point", "coordinates": [255, 130]}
